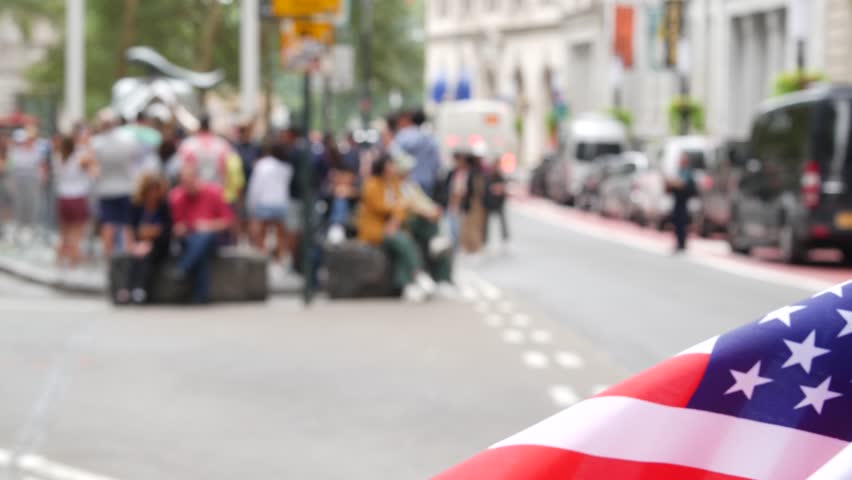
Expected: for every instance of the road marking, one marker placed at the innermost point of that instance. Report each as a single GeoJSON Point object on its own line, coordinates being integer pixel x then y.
{"type": "Point", "coordinates": [482, 308]}
{"type": "Point", "coordinates": [36, 467]}
{"type": "Point", "coordinates": [494, 321]}
{"type": "Point", "coordinates": [541, 337]}
{"type": "Point", "coordinates": [468, 293]}
{"type": "Point", "coordinates": [505, 306]}
{"type": "Point", "coordinates": [513, 336]}
{"type": "Point", "coordinates": [521, 320]}
{"type": "Point", "coordinates": [563, 396]}
{"type": "Point", "coordinates": [490, 292]}
{"type": "Point", "coordinates": [569, 360]}
{"type": "Point", "coordinates": [536, 360]}
{"type": "Point", "coordinates": [599, 389]}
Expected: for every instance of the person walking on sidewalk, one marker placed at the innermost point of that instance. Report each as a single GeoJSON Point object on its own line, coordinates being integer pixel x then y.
{"type": "Point", "coordinates": [495, 203]}
{"type": "Point", "coordinates": [27, 158]}
{"type": "Point", "coordinates": [207, 152]}
{"type": "Point", "coordinates": [380, 222]}
{"type": "Point", "coordinates": [74, 170]}
{"type": "Point", "coordinates": [411, 138]}
{"type": "Point", "coordinates": [682, 188]}
{"type": "Point", "coordinates": [152, 226]}
{"type": "Point", "coordinates": [267, 201]}
{"type": "Point", "coordinates": [201, 217]}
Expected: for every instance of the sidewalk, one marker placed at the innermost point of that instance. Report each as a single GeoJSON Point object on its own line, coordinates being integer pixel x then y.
{"type": "Point", "coordinates": [36, 262]}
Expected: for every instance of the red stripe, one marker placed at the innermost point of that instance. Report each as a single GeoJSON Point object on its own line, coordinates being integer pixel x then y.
{"type": "Point", "coordinates": [546, 463]}
{"type": "Point", "coordinates": [671, 383]}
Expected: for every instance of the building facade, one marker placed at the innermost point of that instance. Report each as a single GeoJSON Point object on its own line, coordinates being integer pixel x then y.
{"type": "Point", "coordinates": [534, 53]}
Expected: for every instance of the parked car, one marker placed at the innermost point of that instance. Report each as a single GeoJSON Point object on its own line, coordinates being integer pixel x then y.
{"type": "Point", "coordinates": [589, 197]}
{"type": "Point", "coordinates": [588, 137]}
{"type": "Point", "coordinates": [538, 178]}
{"type": "Point", "coordinates": [795, 191]}
{"type": "Point", "coordinates": [718, 185]}
{"type": "Point", "coordinates": [618, 188]}
{"type": "Point", "coordinates": [484, 124]}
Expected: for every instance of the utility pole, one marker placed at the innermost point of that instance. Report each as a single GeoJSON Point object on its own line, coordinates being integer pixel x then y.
{"type": "Point", "coordinates": [365, 39]}
{"type": "Point", "coordinates": [683, 68]}
{"type": "Point", "coordinates": [249, 56]}
{"type": "Point", "coordinates": [799, 19]}
{"type": "Point", "coordinates": [75, 60]}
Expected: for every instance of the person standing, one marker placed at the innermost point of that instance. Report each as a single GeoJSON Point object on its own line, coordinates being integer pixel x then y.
{"type": "Point", "coordinates": [115, 149]}
{"type": "Point", "coordinates": [495, 203]}
{"type": "Point", "coordinates": [411, 138]}
{"type": "Point", "coordinates": [267, 201]}
{"type": "Point", "coordinates": [200, 217]}
{"type": "Point", "coordinates": [152, 225]}
{"type": "Point", "coordinates": [208, 152]}
{"type": "Point", "coordinates": [682, 188]}
{"type": "Point", "coordinates": [73, 183]}
{"type": "Point", "coordinates": [28, 168]}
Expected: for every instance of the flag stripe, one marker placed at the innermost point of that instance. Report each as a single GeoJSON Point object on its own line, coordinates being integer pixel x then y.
{"type": "Point", "coordinates": [522, 462]}
{"type": "Point", "coordinates": [639, 431]}
{"type": "Point", "coordinates": [670, 383]}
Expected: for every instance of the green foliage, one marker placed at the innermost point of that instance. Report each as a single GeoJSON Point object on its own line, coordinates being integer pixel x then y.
{"type": "Point", "coordinates": [789, 82]}
{"type": "Point", "coordinates": [622, 115]}
{"type": "Point", "coordinates": [680, 105]}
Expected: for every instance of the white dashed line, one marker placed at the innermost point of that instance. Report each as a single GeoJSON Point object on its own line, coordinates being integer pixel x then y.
{"type": "Point", "coordinates": [599, 389]}
{"type": "Point", "coordinates": [541, 337]}
{"type": "Point", "coordinates": [34, 467]}
{"type": "Point", "coordinates": [482, 308]}
{"type": "Point", "coordinates": [469, 294]}
{"type": "Point", "coordinates": [490, 292]}
{"type": "Point", "coordinates": [494, 321]}
{"type": "Point", "coordinates": [505, 306]}
{"type": "Point", "coordinates": [569, 360]}
{"type": "Point", "coordinates": [520, 320]}
{"type": "Point", "coordinates": [536, 360]}
{"type": "Point", "coordinates": [563, 396]}
{"type": "Point", "coordinates": [513, 336]}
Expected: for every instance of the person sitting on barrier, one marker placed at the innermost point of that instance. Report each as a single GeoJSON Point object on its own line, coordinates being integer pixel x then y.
{"type": "Point", "coordinates": [200, 217]}
{"type": "Point", "coordinates": [380, 221]}
{"type": "Point", "coordinates": [151, 224]}
{"type": "Point", "coordinates": [423, 223]}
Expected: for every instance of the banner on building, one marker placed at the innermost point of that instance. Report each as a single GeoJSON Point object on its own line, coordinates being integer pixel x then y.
{"type": "Point", "coordinates": [623, 42]}
{"type": "Point", "coordinates": [673, 25]}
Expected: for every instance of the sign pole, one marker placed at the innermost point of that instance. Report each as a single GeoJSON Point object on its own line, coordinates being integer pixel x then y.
{"type": "Point", "coordinates": [308, 197]}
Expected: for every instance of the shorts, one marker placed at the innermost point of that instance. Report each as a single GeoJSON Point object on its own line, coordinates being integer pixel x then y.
{"type": "Point", "coordinates": [115, 210]}
{"type": "Point", "coordinates": [269, 214]}
{"type": "Point", "coordinates": [73, 210]}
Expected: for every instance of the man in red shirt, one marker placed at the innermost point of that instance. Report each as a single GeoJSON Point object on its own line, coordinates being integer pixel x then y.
{"type": "Point", "coordinates": [200, 216]}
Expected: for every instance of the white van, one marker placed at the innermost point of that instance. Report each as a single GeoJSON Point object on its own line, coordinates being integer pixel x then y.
{"type": "Point", "coordinates": [485, 124]}
{"type": "Point", "coordinates": [588, 137]}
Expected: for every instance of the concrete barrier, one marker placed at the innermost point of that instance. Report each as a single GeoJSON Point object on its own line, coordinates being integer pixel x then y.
{"type": "Point", "coordinates": [356, 270]}
{"type": "Point", "coordinates": [235, 277]}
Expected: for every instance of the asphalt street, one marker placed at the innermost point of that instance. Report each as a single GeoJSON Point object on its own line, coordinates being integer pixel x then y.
{"type": "Point", "coordinates": [355, 390]}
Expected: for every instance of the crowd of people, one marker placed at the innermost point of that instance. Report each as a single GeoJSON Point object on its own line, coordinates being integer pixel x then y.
{"type": "Point", "coordinates": [152, 191]}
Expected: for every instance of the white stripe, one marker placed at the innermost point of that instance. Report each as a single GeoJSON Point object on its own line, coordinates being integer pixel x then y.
{"type": "Point", "coordinates": [703, 347]}
{"type": "Point", "coordinates": [839, 467]}
{"type": "Point", "coordinates": [635, 430]}
{"type": "Point", "coordinates": [40, 466]}
{"type": "Point", "coordinates": [5, 458]}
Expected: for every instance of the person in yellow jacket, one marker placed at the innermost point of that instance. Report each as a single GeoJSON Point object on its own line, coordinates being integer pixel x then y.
{"type": "Point", "coordinates": [380, 220]}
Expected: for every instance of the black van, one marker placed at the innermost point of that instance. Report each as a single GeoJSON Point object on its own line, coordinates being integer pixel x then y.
{"type": "Point", "coordinates": [795, 190]}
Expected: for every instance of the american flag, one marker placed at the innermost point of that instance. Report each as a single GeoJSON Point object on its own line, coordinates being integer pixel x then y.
{"type": "Point", "coordinates": [770, 400]}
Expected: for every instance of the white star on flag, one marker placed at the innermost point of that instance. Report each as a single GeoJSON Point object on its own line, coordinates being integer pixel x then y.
{"type": "Point", "coordinates": [835, 290]}
{"type": "Point", "coordinates": [782, 315]}
{"type": "Point", "coordinates": [804, 353]}
{"type": "Point", "coordinates": [847, 315]}
{"type": "Point", "coordinates": [817, 396]}
{"type": "Point", "coordinates": [746, 382]}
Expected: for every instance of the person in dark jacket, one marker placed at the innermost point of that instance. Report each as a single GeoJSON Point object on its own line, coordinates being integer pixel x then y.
{"type": "Point", "coordinates": [495, 202]}
{"type": "Point", "coordinates": [682, 188]}
{"type": "Point", "coordinates": [151, 225]}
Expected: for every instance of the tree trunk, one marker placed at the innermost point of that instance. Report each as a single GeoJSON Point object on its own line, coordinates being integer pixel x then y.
{"type": "Point", "coordinates": [128, 35]}
{"type": "Point", "coordinates": [209, 35]}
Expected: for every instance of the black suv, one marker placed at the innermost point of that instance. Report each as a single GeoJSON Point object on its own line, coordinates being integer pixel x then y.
{"type": "Point", "coordinates": [795, 191]}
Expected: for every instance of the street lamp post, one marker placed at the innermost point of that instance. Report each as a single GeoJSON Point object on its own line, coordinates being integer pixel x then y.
{"type": "Point", "coordinates": [75, 60]}
{"type": "Point", "coordinates": [249, 55]}
{"type": "Point", "coordinates": [799, 18]}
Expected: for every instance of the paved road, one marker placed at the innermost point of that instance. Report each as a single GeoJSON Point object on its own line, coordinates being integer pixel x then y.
{"type": "Point", "coordinates": [624, 292]}
{"type": "Point", "coordinates": [347, 390]}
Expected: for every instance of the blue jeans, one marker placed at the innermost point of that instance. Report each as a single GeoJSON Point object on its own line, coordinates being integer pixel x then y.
{"type": "Point", "coordinates": [339, 211]}
{"type": "Point", "coordinates": [198, 249]}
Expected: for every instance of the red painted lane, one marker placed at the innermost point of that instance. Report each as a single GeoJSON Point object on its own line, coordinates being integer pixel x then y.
{"type": "Point", "coordinates": [823, 264]}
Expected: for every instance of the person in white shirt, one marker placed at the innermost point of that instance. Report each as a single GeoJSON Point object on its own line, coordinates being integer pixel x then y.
{"type": "Point", "coordinates": [267, 201]}
{"type": "Point", "coordinates": [73, 183]}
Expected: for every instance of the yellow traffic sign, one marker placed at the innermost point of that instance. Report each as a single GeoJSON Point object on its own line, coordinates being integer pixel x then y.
{"type": "Point", "coordinates": [304, 8]}
{"type": "Point", "coordinates": [322, 32]}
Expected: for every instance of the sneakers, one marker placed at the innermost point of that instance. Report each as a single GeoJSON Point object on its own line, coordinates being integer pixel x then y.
{"type": "Point", "coordinates": [336, 234]}
{"type": "Point", "coordinates": [413, 293]}
{"type": "Point", "coordinates": [138, 296]}
{"type": "Point", "coordinates": [447, 291]}
{"type": "Point", "coordinates": [439, 246]}
{"type": "Point", "coordinates": [425, 282]}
